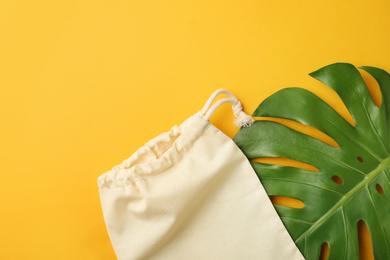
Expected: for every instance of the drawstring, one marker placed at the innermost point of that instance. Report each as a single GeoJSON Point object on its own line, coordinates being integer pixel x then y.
{"type": "Point", "coordinates": [241, 118]}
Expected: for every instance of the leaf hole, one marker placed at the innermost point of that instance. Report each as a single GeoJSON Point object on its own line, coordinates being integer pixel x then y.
{"type": "Point", "coordinates": [305, 129]}
{"type": "Point", "coordinates": [286, 162]}
{"type": "Point", "coordinates": [365, 245]}
{"type": "Point", "coordinates": [286, 201]}
{"type": "Point", "coordinates": [337, 179]}
{"type": "Point", "coordinates": [360, 159]}
{"type": "Point", "coordinates": [373, 87]}
{"type": "Point", "coordinates": [324, 253]}
{"type": "Point", "coordinates": [379, 189]}
{"type": "Point", "coordinates": [333, 99]}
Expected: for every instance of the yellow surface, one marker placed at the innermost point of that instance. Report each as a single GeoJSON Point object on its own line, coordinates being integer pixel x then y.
{"type": "Point", "coordinates": [85, 83]}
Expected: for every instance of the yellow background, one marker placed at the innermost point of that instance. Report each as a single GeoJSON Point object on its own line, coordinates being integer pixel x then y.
{"type": "Point", "coordinates": [86, 83]}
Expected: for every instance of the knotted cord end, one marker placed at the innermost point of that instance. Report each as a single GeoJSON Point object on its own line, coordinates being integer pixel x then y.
{"type": "Point", "coordinates": [243, 120]}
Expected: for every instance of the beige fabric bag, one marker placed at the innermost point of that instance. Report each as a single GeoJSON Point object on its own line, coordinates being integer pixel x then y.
{"type": "Point", "coordinates": [191, 193]}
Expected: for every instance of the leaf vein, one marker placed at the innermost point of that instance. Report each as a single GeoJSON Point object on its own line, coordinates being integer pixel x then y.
{"type": "Point", "coordinates": [345, 231]}
{"type": "Point", "coordinates": [353, 138]}
{"type": "Point", "coordinates": [297, 220]}
{"type": "Point", "coordinates": [375, 130]}
{"type": "Point", "coordinates": [306, 184]}
{"type": "Point", "coordinates": [335, 160]}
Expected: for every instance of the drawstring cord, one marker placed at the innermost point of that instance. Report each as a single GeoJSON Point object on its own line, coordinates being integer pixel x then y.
{"type": "Point", "coordinates": [241, 118]}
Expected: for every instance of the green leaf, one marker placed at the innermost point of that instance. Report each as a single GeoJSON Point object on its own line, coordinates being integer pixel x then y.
{"type": "Point", "coordinates": [332, 211]}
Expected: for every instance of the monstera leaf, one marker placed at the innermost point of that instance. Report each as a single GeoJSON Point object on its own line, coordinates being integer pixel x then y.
{"type": "Point", "coordinates": [332, 210]}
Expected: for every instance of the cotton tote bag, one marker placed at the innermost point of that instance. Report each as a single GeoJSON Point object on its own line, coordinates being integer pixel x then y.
{"type": "Point", "coordinates": [191, 193]}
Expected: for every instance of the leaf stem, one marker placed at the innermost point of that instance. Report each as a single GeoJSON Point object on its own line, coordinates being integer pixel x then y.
{"type": "Point", "coordinates": [367, 179]}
